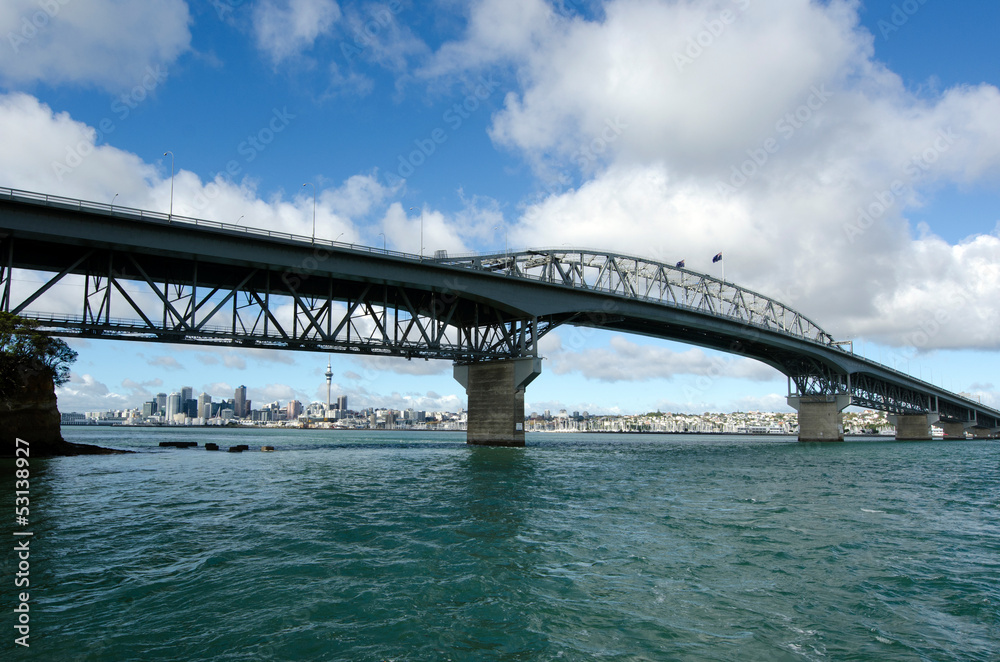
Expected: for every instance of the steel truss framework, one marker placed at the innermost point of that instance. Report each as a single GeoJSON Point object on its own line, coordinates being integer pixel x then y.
{"type": "Point", "coordinates": [255, 307]}
{"type": "Point", "coordinates": [646, 280]}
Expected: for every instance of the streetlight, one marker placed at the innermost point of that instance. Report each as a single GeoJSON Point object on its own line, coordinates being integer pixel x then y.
{"type": "Point", "coordinates": [171, 215]}
{"type": "Point", "coordinates": [239, 219]}
{"type": "Point", "coordinates": [382, 234]}
{"type": "Point", "coordinates": [113, 203]}
{"type": "Point", "coordinates": [314, 209]}
{"type": "Point", "coordinates": [421, 232]}
{"type": "Point", "coordinates": [338, 237]}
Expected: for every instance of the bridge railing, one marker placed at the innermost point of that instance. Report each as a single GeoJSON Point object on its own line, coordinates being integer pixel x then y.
{"type": "Point", "coordinates": [120, 211]}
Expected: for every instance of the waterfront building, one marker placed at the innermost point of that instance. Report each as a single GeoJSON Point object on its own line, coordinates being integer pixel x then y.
{"type": "Point", "coordinates": [173, 405]}
{"type": "Point", "coordinates": [240, 402]}
{"type": "Point", "coordinates": [205, 405]}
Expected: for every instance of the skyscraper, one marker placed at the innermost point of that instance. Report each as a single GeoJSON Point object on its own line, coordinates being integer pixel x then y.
{"type": "Point", "coordinates": [186, 393]}
{"type": "Point", "coordinates": [203, 400]}
{"type": "Point", "coordinates": [342, 403]}
{"type": "Point", "coordinates": [161, 402]}
{"type": "Point", "coordinates": [173, 405]}
{"type": "Point", "coordinates": [240, 402]}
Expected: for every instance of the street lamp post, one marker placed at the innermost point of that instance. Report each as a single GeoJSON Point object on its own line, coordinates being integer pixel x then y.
{"type": "Point", "coordinates": [421, 232]}
{"type": "Point", "coordinates": [171, 215]}
{"type": "Point", "coordinates": [113, 203]}
{"type": "Point", "coordinates": [314, 210]}
{"type": "Point", "coordinates": [382, 234]}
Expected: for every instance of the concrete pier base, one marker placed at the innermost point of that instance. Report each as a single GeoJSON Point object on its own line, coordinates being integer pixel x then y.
{"type": "Point", "coordinates": [820, 417]}
{"type": "Point", "coordinates": [915, 427]}
{"type": "Point", "coordinates": [952, 430]}
{"type": "Point", "coordinates": [983, 433]}
{"type": "Point", "coordinates": [496, 399]}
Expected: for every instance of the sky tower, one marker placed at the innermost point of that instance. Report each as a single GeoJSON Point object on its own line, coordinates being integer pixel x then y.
{"type": "Point", "coordinates": [329, 378]}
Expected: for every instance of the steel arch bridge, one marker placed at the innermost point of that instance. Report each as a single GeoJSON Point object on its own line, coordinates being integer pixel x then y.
{"type": "Point", "coordinates": [99, 271]}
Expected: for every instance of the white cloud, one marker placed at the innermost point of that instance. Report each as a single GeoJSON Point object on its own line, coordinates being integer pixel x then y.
{"type": "Point", "coordinates": [168, 362]}
{"type": "Point", "coordinates": [285, 28]}
{"type": "Point", "coordinates": [779, 141]}
{"type": "Point", "coordinates": [626, 361]}
{"type": "Point", "coordinates": [85, 393]}
{"type": "Point", "coordinates": [109, 43]}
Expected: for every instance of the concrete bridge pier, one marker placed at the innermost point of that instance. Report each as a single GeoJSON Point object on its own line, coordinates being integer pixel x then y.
{"type": "Point", "coordinates": [820, 416]}
{"type": "Point", "coordinates": [952, 430]}
{"type": "Point", "coordinates": [913, 427]}
{"type": "Point", "coordinates": [496, 399]}
{"type": "Point", "coordinates": [984, 433]}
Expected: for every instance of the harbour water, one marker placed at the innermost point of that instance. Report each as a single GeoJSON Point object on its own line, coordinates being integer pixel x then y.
{"type": "Point", "coordinates": [413, 546]}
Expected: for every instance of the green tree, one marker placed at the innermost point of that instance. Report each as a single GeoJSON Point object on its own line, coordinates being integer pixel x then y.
{"type": "Point", "coordinates": [25, 350]}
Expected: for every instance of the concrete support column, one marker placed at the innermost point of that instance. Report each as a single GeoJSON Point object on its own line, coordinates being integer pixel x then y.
{"type": "Point", "coordinates": [913, 427]}
{"type": "Point", "coordinates": [496, 399]}
{"type": "Point", "coordinates": [820, 417]}
{"type": "Point", "coordinates": [983, 433]}
{"type": "Point", "coordinates": [952, 430]}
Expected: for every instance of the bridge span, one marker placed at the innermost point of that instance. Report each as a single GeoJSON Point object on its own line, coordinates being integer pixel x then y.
{"type": "Point", "coordinates": [152, 277]}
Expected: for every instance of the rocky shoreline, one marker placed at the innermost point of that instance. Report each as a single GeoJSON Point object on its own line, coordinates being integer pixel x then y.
{"type": "Point", "coordinates": [32, 415]}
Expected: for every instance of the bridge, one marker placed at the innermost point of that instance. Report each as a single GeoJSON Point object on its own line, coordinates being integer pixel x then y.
{"type": "Point", "coordinates": [153, 277]}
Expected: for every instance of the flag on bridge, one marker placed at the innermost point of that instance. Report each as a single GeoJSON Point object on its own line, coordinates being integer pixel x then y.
{"type": "Point", "coordinates": [680, 265]}
{"type": "Point", "coordinates": [717, 258]}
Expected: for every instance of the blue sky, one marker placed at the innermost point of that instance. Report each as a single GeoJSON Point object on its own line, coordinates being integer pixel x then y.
{"type": "Point", "coordinates": [622, 125]}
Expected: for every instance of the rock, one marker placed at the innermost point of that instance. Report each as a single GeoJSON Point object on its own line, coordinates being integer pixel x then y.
{"type": "Point", "coordinates": [30, 413]}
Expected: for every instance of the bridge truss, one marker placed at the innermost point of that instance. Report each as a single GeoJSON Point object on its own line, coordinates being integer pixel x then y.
{"type": "Point", "coordinates": [129, 296]}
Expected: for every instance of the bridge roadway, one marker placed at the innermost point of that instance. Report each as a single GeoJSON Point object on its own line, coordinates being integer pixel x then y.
{"type": "Point", "coordinates": [146, 276]}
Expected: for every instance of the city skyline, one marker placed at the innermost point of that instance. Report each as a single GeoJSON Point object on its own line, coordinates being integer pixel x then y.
{"type": "Point", "coordinates": [840, 156]}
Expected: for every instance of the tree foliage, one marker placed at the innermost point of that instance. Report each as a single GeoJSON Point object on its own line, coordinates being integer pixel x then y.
{"type": "Point", "coordinates": [25, 350]}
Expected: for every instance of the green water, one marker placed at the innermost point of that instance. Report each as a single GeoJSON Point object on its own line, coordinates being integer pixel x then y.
{"type": "Point", "coordinates": [382, 546]}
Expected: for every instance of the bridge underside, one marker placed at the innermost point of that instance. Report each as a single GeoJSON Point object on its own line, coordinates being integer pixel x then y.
{"type": "Point", "coordinates": [127, 296]}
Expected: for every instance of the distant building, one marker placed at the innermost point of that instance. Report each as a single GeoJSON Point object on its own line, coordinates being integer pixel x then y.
{"type": "Point", "coordinates": [342, 403]}
{"type": "Point", "coordinates": [205, 405]}
{"type": "Point", "coordinates": [294, 410]}
{"type": "Point", "coordinates": [186, 393]}
{"type": "Point", "coordinates": [240, 402]}
{"type": "Point", "coordinates": [173, 405]}
{"type": "Point", "coordinates": [149, 409]}
{"type": "Point", "coordinates": [161, 402]}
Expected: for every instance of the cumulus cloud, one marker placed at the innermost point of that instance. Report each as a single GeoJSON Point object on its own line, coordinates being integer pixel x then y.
{"type": "Point", "coordinates": [626, 361]}
{"type": "Point", "coordinates": [85, 393]}
{"type": "Point", "coordinates": [777, 139]}
{"type": "Point", "coordinates": [284, 28]}
{"type": "Point", "coordinates": [109, 43]}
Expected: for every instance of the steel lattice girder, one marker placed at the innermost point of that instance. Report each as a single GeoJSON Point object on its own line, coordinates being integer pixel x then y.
{"type": "Point", "coordinates": [137, 297]}
{"type": "Point", "coordinates": [646, 280]}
